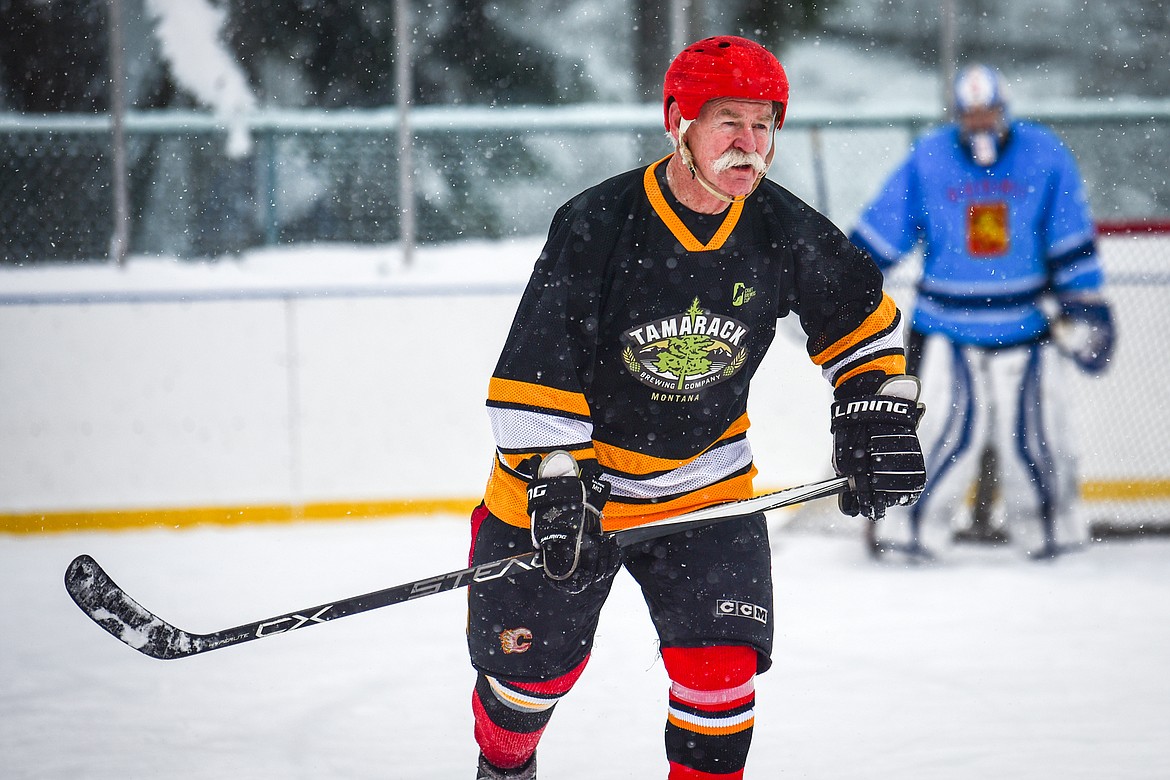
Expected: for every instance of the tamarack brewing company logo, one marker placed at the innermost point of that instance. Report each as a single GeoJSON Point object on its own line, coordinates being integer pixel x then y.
{"type": "Point", "coordinates": [685, 352]}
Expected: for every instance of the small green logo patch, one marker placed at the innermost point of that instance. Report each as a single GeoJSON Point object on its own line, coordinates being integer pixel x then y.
{"type": "Point", "coordinates": [741, 294]}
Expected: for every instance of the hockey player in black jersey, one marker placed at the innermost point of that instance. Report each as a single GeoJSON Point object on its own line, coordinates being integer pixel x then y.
{"type": "Point", "coordinates": [621, 398]}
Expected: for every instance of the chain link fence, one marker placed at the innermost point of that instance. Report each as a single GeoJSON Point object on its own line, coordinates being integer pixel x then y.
{"type": "Point", "coordinates": [478, 172]}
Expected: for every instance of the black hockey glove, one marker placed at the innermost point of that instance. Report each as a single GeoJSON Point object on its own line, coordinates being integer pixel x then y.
{"type": "Point", "coordinates": [875, 444]}
{"type": "Point", "coordinates": [1084, 331]}
{"type": "Point", "coordinates": [565, 506]}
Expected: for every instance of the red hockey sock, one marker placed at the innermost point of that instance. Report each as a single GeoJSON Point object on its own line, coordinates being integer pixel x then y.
{"type": "Point", "coordinates": [511, 716]}
{"type": "Point", "coordinates": [712, 710]}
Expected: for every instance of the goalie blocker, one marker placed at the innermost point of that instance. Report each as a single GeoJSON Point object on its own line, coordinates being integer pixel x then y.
{"type": "Point", "coordinates": [1084, 332]}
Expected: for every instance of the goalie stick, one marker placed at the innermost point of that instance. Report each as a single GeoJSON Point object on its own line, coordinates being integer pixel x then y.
{"type": "Point", "coordinates": [125, 619]}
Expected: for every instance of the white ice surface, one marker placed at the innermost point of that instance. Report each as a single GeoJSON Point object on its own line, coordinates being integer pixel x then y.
{"type": "Point", "coordinates": [983, 665]}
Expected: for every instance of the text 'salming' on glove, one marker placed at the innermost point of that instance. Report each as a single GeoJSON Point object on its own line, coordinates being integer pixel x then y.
{"type": "Point", "coordinates": [875, 444]}
{"type": "Point", "coordinates": [565, 508]}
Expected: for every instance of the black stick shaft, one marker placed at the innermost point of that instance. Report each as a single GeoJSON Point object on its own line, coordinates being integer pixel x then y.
{"type": "Point", "coordinates": [128, 621]}
{"type": "Point", "coordinates": [114, 610]}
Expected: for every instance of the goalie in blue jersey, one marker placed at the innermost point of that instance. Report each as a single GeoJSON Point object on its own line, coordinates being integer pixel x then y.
{"type": "Point", "coordinates": [1010, 267]}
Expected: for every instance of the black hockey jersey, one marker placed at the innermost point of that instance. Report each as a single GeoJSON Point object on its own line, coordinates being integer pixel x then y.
{"type": "Point", "coordinates": [642, 325]}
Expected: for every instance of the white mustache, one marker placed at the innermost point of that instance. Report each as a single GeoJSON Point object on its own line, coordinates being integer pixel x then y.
{"type": "Point", "coordinates": [733, 158]}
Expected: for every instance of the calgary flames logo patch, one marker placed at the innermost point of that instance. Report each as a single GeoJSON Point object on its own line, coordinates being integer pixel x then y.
{"type": "Point", "coordinates": [515, 640]}
{"type": "Point", "coordinates": [685, 352]}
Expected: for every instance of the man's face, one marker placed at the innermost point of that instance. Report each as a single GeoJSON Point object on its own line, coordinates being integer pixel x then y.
{"type": "Point", "coordinates": [730, 140]}
{"type": "Point", "coordinates": [981, 120]}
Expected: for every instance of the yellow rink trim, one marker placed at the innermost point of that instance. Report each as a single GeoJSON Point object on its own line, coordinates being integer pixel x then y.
{"type": "Point", "coordinates": [1125, 489]}
{"type": "Point", "coordinates": [126, 519]}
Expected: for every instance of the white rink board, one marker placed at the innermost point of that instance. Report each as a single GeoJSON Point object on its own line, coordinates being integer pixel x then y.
{"type": "Point", "coordinates": [268, 386]}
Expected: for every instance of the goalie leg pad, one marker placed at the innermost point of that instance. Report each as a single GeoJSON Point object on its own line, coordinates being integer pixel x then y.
{"type": "Point", "coordinates": [712, 710]}
{"type": "Point", "coordinates": [510, 717]}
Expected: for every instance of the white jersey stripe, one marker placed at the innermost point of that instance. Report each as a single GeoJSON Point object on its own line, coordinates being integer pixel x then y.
{"type": "Point", "coordinates": [692, 696]}
{"type": "Point", "coordinates": [524, 431]}
{"type": "Point", "coordinates": [724, 722]}
{"type": "Point", "coordinates": [713, 465]}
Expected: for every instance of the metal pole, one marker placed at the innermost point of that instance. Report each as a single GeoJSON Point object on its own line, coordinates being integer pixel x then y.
{"type": "Point", "coordinates": [402, 69]}
{"type": "Point", "coordinates": [947, 51]}
{"type": "Point", "coordinates": [271, 217]}
{"type": "Point", "coordinates": [293, 378]}
{"type": "Point", "coordinates": [818, 161]}
{"type": "Point", "coordinates": [120, 240]}
{"type": "Point", "coordinates": [680, 28]}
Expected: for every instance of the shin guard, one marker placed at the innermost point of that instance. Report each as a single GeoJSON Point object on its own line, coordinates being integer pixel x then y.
{"type": "Point", "coordinates": [511, 716]}
{"type": "Point", "coordinates": [712, 710]}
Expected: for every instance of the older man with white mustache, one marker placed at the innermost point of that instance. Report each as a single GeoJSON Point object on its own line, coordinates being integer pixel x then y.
{"type": "Point", "coordinates": [709, 185]}
{"type": "Point", "coordinates": [620, 398]}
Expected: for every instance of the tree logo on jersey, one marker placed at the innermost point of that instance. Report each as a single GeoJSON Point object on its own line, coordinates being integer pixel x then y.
{"type": "Point", "coordinates": [685, 352]}
{"type": "Point", "coordinates": [987, 229]}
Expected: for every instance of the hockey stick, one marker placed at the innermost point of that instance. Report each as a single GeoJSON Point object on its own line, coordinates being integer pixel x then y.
{"type": "Point", "coordinates": [128, 621]}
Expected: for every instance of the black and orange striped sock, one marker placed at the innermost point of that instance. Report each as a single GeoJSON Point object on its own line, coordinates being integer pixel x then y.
{"type": "Point", "coordinates": [712, 711]}
{"type": "Point", "coordinates": [511, 716]}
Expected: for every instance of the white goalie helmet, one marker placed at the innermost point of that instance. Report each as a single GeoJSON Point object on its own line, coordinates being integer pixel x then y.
{"type": "Point", "coordinates": [981, 102]}
{"type": "Point", "coordinates": [980, 86]}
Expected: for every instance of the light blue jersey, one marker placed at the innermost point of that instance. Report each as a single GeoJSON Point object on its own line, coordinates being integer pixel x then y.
{"type": "Point", "coordinates": [994, 238]}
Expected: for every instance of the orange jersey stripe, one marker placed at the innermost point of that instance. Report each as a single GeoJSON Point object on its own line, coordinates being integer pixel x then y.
{"type": "Point", "coordinates": [890, 365]}
{"type": "Point", "coordinates": [680, 231]}
{"type": "Point", "coordinates": [511, 391]}
{"type": "Point", "coordinates": [623, 461]}
{"type": "Point", "coordinates": [506, 497]}
{"type": "Point", "coordinates": [875, 323]}
{"type": "Point", "coordinates": [618, 515]}
{"type": "Point", "coordinates": [713, 731]}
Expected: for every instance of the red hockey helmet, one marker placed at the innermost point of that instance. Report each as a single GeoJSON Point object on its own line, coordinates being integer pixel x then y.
{"type": "Point", "coordinates": [725, 66]}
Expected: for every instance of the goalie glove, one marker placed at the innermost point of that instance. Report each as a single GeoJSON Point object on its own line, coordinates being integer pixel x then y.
{"type": "Point", "coordinates": [875, 444]}
{"type": "Point", "coordinates": [1084, 332]}
{"type": "Point", "coordinates": [565, 508]}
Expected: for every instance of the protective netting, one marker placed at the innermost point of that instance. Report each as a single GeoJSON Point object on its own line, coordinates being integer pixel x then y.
{"type": "Point", "coordinates": [321, 177]}
{"type": "Point", "coordinates": [1121, 423]}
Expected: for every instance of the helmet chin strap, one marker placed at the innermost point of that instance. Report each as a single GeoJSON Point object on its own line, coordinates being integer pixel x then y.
{"type": "Point", "coordinates": [689, 160]}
